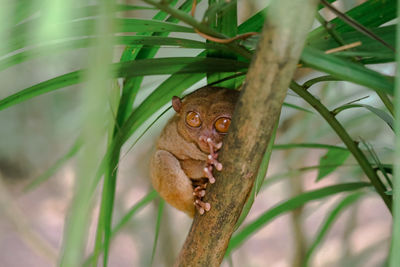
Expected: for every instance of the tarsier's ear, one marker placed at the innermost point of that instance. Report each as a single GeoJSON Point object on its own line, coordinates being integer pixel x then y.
{"type": "Point", "coordinates": [176, 103]}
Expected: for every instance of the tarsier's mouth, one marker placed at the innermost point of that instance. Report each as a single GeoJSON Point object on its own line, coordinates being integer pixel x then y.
{"type": "Point", "coordinates": [208, 145]}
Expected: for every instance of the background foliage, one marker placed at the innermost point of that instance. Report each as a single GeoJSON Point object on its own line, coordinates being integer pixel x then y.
{"type": "Point", "coordinates": [86, 87]}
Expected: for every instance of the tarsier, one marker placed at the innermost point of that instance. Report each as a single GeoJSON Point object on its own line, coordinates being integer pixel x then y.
{"type": "Point", "coordinates": [187, 149]}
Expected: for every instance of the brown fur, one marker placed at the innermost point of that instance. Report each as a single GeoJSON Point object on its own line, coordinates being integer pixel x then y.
{"type": "Point", "coordinates": [181, 156]}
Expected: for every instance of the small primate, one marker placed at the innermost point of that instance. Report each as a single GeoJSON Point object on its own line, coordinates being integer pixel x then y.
{"type": "Point", "coordinates": [186, 152]}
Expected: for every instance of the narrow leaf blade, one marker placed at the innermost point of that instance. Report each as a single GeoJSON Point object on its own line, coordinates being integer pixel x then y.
{"type": "Point", "coordinates": [330, 219]}
{"type": "Point", "coordinates": [347, 70]}
{"type": "Point", "coordinates": [289, 205]}
{"type": "Point", "coordinates": [334, 158]}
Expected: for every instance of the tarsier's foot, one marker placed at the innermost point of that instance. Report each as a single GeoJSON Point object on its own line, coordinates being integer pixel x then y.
{"type": "Point", "coordinates": [199, 190]}
{"type": "Point", "coordinates": [202, 206]}
{"type": "Point", "coordinates": [212, 161]}
{"type": "Point", "coordinates": [208, 174]}
{"type": "Point", "coordinates": [198, 193]}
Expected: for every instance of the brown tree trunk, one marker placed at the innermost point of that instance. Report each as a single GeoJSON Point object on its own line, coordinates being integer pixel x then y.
{"type": "Point", "coordinates": [258, 108]}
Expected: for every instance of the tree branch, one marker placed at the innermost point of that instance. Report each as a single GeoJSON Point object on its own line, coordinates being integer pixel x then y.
{"type": "Point", "coordinates": [258, 108]}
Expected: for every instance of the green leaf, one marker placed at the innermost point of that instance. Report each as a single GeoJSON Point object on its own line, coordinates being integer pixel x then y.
{"type": "Point", "coordinates": [389, 168]}
{"type": "Point", "coordinates": [223, 18]}
{"type": "Point", "coordinates": [95, 98]}
{"type": "Point", "coordinates": [394, 255]}
{"type": "Point", "coordinates": [130, 89]}
{"type": "Point", "coordinates": [126, 218]}
{"type": "Point", "coordinates": [178, 65]}
{"type": "Point", "coordinates": [370, 51]}
{"type": "Point", "coordinates": [130, 53]}
{"type": "Point", "coordinates": [387, 33]}
{"type": "Point", "coordinates": [23, 10]}
{"type": "Point", "coordinates": [188, 19]}
{"type": "Point", "coordinates": [159, 97]}
{"type": "Point", "coordinates": [261, 174]}
{"type": "Point", "coordinates": [129, 69]}
{"type": "Point", "coordinates": [132, 85]}
{"type": "Point", "coordinates": [101, 169]}
{"type": "Point", "coordinates": [216, 10]}
{"type": "Point", "coordinates": [289, 205]}
{"type": "Point", "coordinates": [330, 219]}
{"type": "Point", "coordinates": [174, 85]}
{"type": "Point", "coordinates": [372, 13]}
{"type": "Point", "coordinates": [133, 210]}
{"type": "Point", "coordinates": [296, 172]}
{"type": "Point", "coordinates": [256, 22]}
{"type": "Point", "coordinates": [346, 70]}
{"type": "Point", "coordinates": [325, 78]}
{"type": "Point", "coordinates": [378, 163]}
{"type": "Point", "coordinates": [158, 226]}
{"type": "Point", "coordinates": [55, 167]}
{"type": "Point", "coordinates": [142, 25]}
{"type": "Point", "coordinates": [145, 131]}
{"type": "Point", "coordinates": [132, 41]}
{"type": "Point", "coordinates": [83, 28]}
{"type": "Point", "coordinates": [334, 158]}
{"type": "Point", "coordinates": [289, 105]}
{"type": "Point", "coordinates": [93, 10]}
{"type": "Point", "coordinates": [308, 145]}
{"type": "Point", "coordinates": [347, 140]}
{"type": "Point", "coordinates": [386, 117]}
{"type": "Point", "coordinates": [41, 88]}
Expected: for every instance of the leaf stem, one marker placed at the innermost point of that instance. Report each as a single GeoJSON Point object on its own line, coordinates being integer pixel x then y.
{"type": "Point", "coordinates": [325, 78]}
{"type": "Point", "coordinates": [199, 26]}
{"type": "Point", "coordinates": [353, 23]}
{"type": "Point", "coordinates": [330, 28]}
{"type": "Point", "coordinates": [347, 140]}
{"type": "Point", "coordinates": [387, 102]}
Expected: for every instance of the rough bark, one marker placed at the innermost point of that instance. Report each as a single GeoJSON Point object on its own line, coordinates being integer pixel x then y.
{"type": "Point", "coordinates": [255, 115]}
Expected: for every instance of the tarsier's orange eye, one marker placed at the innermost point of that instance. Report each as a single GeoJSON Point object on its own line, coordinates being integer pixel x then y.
{"type": "Point", "coordinates": [193, 119]}
{"type": "Point", "coordinates": [222, 124]}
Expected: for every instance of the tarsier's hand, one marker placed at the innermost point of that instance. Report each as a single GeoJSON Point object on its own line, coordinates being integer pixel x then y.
{"type": "Point", "coordinates": [199, 191]}
{"type": "Point", "coordinates": [212, 159]}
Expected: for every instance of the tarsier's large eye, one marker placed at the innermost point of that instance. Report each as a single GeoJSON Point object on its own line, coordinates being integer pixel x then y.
{"type": "Point", "coordinates": [222, 124]}
{"type": "Point", "coordinates": [193, 119]}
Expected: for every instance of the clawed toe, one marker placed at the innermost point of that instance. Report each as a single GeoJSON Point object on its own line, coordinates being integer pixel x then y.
{"type": "Point", "coordinates": [199, 191]}
{"type": "Point", "coordinates": [202, 206]}
{"type": "Point", "coordinates": [209, 175]}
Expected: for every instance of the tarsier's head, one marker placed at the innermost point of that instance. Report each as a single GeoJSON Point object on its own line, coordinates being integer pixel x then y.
{"type": "Point", "coordinates": [205, 113]}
